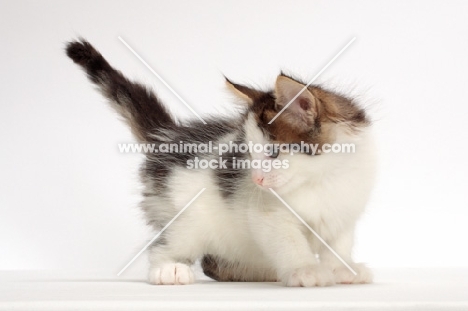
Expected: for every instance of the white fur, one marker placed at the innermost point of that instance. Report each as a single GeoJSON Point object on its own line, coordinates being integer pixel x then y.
{"type": "Point", "coordinates": [171, 274]}
{"type": "Point", "coordinates": [328, 191]}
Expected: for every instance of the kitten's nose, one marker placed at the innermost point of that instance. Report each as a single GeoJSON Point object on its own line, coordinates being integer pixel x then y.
{"type": "Point", "coordinates": [258, 180]}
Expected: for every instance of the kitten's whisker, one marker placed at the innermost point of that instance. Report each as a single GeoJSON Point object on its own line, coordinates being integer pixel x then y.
{"type": "Point", "coordinates": [262, 201]}
{"type": "Point", "coordinates": [252, 192]}
{"type": "Point", "coordinates": [258, 197]}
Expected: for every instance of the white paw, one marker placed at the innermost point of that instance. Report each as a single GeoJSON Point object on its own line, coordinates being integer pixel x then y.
{"type": "Point", "coordinates": [171, 274]}
{"type": "Point", "coordinates": [315, 275]}
{"type": "Point", "coordinates": [344, 276]}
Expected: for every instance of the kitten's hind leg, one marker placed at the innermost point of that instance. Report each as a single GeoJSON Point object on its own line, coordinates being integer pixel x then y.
{"type": "Point", "coordinates": [222, 270]}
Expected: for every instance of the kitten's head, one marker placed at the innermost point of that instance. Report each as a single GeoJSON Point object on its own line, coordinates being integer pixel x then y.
{"type": "Point", "coordinates": [313, 116]}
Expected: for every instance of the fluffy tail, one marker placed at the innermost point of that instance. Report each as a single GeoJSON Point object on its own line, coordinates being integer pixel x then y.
{"type": "Point", "coordinates": [140, 108]}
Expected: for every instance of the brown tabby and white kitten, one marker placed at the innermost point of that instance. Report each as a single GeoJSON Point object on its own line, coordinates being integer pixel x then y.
{"type": "Point", "coordinates": [237, 227]}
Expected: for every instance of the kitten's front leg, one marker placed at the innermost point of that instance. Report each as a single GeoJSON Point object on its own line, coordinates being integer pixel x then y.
{"type": "Point", "coordinates": [343, 245]}
{"type": "Point", "coordinates": [284, 244]}
{"type": "Point", "coordinates": [169, 266]}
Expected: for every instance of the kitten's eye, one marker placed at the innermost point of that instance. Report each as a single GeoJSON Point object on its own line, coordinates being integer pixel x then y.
{"type": "Point", "coordinates": [274, 154]}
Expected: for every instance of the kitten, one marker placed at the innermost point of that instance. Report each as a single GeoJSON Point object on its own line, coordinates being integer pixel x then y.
{"type": "Point", "coordinates": [237, 226]}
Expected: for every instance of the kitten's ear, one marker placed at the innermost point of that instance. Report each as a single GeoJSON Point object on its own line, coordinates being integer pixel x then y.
{"type": "Point", "coordinates": [303, 110]}
{"type": "Point", "coordinates": [246, 94]}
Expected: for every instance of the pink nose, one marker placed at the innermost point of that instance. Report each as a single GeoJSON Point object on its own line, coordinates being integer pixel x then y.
{"type": "Point", "coordinates": [258, 180]}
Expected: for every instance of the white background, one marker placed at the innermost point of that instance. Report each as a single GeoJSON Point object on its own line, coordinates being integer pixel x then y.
{"type": "Point", "coordinates": [67, 196]}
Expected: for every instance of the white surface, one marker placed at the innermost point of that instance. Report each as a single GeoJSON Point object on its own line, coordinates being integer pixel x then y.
{"type": "Point", "coordinates": [403, 289]}
{"type": "Point", "coordinates": [67, 197]}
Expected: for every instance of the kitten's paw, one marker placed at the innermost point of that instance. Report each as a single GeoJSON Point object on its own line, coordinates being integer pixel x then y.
{"type": "Point", "coordinates": [344, 276]}
{"type": "Point", "coordinates": [309, 276]}
{"type": "Point", "coordinates": [171, 274]}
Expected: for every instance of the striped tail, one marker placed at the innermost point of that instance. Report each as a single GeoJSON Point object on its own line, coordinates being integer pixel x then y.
{"type": "Point", "coordinates": [140, 107]}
